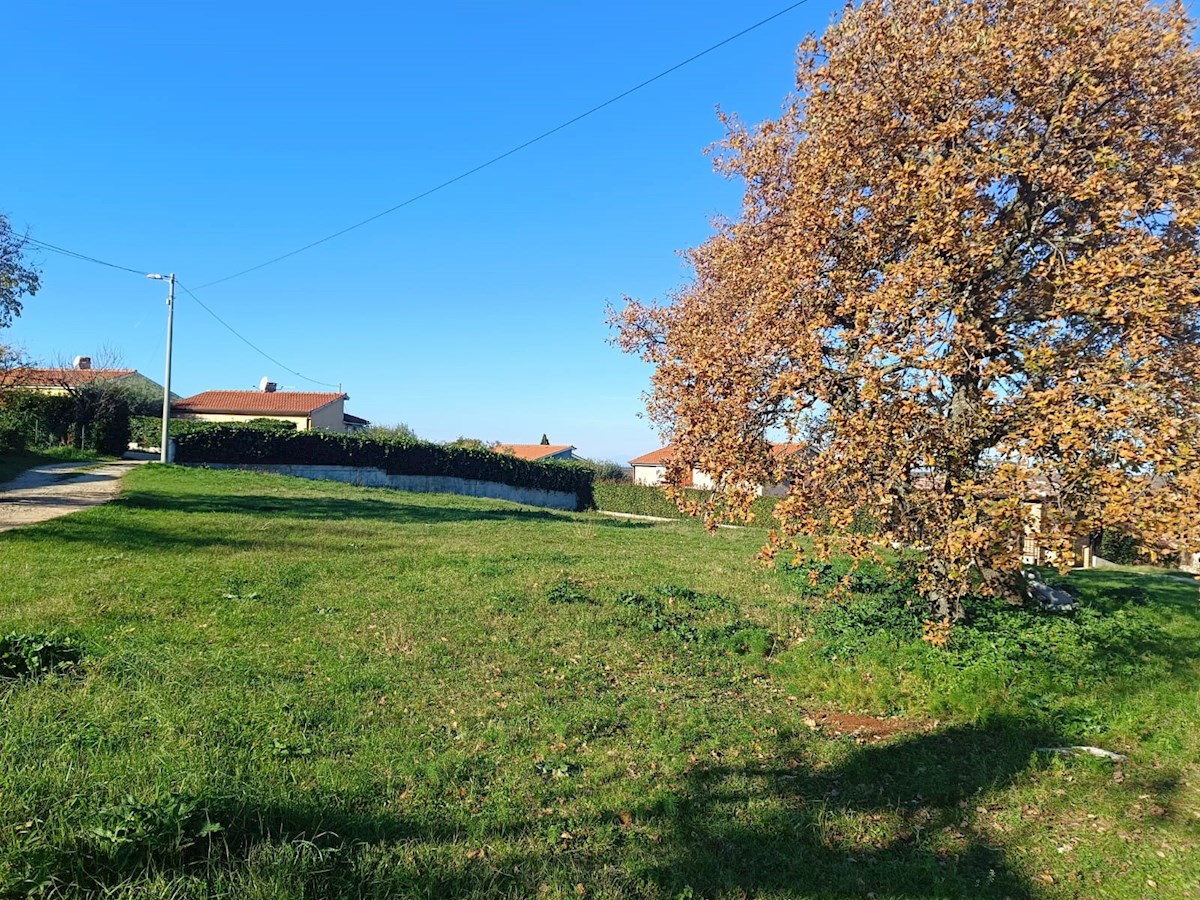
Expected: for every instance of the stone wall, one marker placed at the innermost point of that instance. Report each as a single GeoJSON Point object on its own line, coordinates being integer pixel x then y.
{"type": "Point", "coordinates": [365, 476]}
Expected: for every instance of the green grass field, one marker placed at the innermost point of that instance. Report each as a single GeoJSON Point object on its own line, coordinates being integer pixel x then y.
{"type": "Point", "coordinates": [296, 689]}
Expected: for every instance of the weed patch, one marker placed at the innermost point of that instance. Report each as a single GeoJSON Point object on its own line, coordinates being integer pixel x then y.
{"type": "Point", "coordinates": [685, 616]}
{"type": "Point", "coordinates": [567, 591]}
{"type": "Point", "coordinates": [34, 655]}
{"type": "Point", "coordinates": [137, 830]}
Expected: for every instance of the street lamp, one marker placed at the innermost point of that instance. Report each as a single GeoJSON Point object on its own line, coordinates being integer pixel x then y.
{"type": "Point", "coordinates": [166, 416]}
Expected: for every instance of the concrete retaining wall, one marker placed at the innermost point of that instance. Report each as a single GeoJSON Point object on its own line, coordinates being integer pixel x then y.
{"type": "Point", "coordinates": [366, 476]}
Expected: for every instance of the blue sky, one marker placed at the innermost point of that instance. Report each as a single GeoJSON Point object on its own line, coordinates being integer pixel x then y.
{"type": "Point", "coordinates": [206, 138]}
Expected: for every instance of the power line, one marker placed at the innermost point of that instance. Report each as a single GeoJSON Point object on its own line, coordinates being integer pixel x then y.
{"type": "Point", "coordinates": [507, 153]}
{"type": "Point", "coordinates": [245, 340]}
{"type": "Point", "coordinates": [101, 262]}
{"type": "Point", "coordinates": [413, 199]}
{"type": "Point", "coordinates": [75, 255]}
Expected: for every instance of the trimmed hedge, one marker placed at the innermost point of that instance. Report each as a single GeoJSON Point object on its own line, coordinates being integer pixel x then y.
{"type": "Point", "coordinates": [147, 430]}
{"type": "Point", "coordinates": [643, 500]}
{"type": "Point", "coordinates": [241, 445]}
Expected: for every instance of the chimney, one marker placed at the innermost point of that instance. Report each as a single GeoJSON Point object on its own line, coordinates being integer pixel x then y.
{"type": "Point", "coordinates": [83, 362]}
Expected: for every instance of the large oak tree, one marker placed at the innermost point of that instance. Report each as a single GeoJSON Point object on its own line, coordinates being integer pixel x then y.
{"type": "Point", "coordinates": [965, 276]}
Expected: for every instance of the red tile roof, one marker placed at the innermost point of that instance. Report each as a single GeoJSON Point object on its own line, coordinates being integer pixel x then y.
{"type": "Point", "coordinates": [30, 377]}
{"type": "Point", "coordinates": [662, 456]}
{"type": "Point", "coordinates": [654, 458]}
{"type": "Point", "coordinates": [257, 403]}
{"type": "Point", "coordinates": [532, 452]}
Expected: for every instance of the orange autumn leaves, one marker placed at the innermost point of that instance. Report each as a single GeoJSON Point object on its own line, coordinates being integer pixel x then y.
{"type": "Point", "coordinates": [965, 276]}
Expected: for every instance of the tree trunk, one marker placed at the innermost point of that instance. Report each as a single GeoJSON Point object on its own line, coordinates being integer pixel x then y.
{"type": "Point", "coordinates": [944, 603]}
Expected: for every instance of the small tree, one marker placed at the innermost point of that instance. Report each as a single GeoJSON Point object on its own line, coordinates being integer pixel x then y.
{"type": "Point", "coordinates": [14, 362]}
{"type": "Point", "coordinates": [965, 276]}
{"type": "Point", "coordinates": [397, 432]}
{"type": "Point", "coordinates": [17, 277]}
{"type": "Point", "coordinates": [102, 404]}
{"type": "Point", "coordinates": [471, 443]}
{"type": "Point", "coordinates": [545, 441]}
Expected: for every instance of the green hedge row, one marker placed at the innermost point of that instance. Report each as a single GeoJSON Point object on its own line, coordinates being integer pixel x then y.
{"type": "Point", "coordinates": [147, 430]}
{"type": "Point", "coordinates": [87, 420]}
{"type": "Point", "coordinates": [644, 500]}
{"type": "Point", "coordinates": [241, 445]}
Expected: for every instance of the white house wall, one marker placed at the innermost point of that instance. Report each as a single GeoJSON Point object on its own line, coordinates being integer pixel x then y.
{"type": "Point", "coordinates": [649, 475]}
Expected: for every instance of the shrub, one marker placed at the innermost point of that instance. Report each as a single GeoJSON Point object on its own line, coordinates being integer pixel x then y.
{"type": "Point", "coordinates": [110, 429]}
{"type": "Point", "coordinates": [238, 445]}
{"type": "Point", "coordinates": [389, 432]}
{"type": "Point", "coordinates": [1119, 547]}
{"type": "Point", "coordinates": [608, 471]}
{"type": "Point", "coordinates": [44, 420]}
{"type": "Point", "coordinates": [146, 430]}
{"type": "Point", "coordinates": [12, 438]}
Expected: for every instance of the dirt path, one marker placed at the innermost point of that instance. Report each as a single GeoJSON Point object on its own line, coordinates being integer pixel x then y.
{"type": "Point", "coordinates": [56, 489]}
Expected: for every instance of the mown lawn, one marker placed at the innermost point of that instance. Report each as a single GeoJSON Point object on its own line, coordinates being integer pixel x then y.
{"type": "Point", "coordinates": [294, 689]}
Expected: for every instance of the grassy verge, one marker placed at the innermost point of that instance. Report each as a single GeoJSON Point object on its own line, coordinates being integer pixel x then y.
{"type": "Point", "coordinates": [280, 688]}
{"type": "Point", "coordinates": [13, 464]}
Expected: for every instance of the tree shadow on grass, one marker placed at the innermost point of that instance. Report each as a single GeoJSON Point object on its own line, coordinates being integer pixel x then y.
{"type": "Point", "coordinates": [125, 535]}
{"type": "Point", "coordinates": [1112, 589]}
{"type": "Point", "coordinates": [366, 508]}
{"type": "Point", "coordinates": [890, 819]}
{"type": "Point", "coordinates": [132, 532]}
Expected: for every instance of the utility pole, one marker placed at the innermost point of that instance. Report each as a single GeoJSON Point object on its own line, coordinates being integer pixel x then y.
{"type": "Point", "coordinates": [166, 415]}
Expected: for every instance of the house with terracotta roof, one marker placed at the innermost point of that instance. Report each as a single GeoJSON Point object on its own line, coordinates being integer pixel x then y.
{"type": "Point", "coordinates": [538, 452]}
{"type": "Point", "coordinates": [309, 410]}
{"type": "Point", "coordinates": [651, 469]}
{"type": "Point", "coordinates": [63, 380]}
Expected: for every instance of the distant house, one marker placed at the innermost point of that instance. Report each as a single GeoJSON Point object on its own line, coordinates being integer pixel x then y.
{"type": "Point", "coordinates": [651, 469]}
{"type": "Point", "coordinates": [354, 423]}
{"type": "Point", "coordinates": [310, 411]}
{"type": "Point", "coordinates": [538, 452]}
{"type": "Point", "coordinates": [60, 381]}
{"type": "Point", "coordinates": [1189, 561]}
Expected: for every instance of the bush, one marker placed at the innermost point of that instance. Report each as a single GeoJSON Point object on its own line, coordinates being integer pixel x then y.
{"type": "Point", "coordinates": [12, 438]}
{"type": "Point", "coordinates": [644, 500]}
{"type": "Point", "coordinates": [110, 429]}
{"type": "Point", "coordinates": [389, 432]}
{"type": "Point", "coordinates": [45, 420]}
{"type": "Point", "coordinates": [608, 471]}
{"type": "Point", "coordinates": [1119, 547]}
{"type": "Point", "coordinates": [238, 445]}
